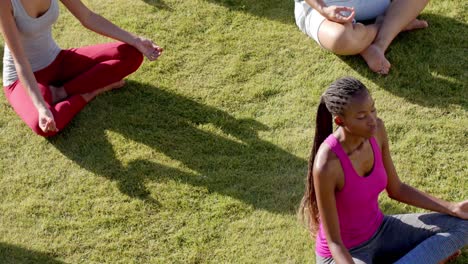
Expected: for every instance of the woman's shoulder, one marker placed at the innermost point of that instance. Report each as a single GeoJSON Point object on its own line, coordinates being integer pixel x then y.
{"type": "Point", "coordinates": [327, 164]}
{"type": "Point", "coordinates": [381, 133]}
{"type": "Point", "coordinates": [6, 13]}
{"type": "Point", "coordinates": [6, 5]}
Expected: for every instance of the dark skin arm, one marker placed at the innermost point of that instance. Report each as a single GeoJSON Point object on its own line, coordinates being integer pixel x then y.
{"type": "Point", "coordinates": [404, 193]}
{"type": "Point", "coordinates": [328, 177]}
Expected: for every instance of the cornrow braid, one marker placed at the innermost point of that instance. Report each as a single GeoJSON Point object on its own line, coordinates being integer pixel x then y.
{"type": "Point", "coordinates": [338, 95]}
{"type": "Point", "coordinates": [332, 102]}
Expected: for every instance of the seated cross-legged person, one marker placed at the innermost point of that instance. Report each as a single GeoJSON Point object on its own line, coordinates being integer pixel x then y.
{"type": "Point", "coordinates": [48, 86]}
{"type": "Point", "coordinates": [349, 168]}
{"type": "Point", "coordinates": [332, 24]}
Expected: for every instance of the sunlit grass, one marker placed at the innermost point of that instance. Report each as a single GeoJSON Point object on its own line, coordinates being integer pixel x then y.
{"type": "Point", "coordinates": [201, 158]}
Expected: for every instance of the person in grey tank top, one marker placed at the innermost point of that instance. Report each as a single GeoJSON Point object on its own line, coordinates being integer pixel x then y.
{"type": "Point", "coordinates": [335, 25]}
{"type": "Point", "coordinates": [48, 86]}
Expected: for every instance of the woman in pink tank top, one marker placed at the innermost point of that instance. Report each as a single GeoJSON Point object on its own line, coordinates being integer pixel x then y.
{"type": "Point", "coordinates": [348, 169]}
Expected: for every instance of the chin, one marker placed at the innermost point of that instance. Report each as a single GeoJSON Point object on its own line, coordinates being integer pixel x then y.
{"type": "Point", "coordinates": [371, 133]}
{"type": "Point", "coordinates": [368, 134]}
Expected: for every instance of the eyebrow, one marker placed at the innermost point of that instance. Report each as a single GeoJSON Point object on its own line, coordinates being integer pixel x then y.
{"type": "Point", "coordinates": [364, 111]}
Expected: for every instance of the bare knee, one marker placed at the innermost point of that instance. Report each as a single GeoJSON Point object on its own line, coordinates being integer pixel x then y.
{"type": "Point", "coordinates": [347, 39]}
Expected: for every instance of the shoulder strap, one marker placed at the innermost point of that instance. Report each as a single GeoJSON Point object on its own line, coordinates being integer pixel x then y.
{"type": "Point", "coordinates": [17, 7]}
{"type": "Point", "coordinates": [336, 147]}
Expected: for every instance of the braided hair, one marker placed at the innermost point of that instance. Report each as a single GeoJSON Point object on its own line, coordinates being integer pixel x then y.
{"type": "Point", "coordinates": [332, 102]}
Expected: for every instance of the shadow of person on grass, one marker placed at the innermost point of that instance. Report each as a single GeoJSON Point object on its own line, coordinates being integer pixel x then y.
{"type": "Point", "coordinates": [233, 161]}
{"type": "Point", "coordinates": [14, 254]}
{"type": "Point", "coordinates": [428, 66]}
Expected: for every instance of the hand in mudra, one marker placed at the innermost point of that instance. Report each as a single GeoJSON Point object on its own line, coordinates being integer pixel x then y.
{"type": "Point", "coordinates": [339, 14]}
{"type": "Point", "coordinates": [461, 210]}
{"type": "Point", "coordinates": [47, 121]}
{"type": "Point", "coordinates": [148, 48]}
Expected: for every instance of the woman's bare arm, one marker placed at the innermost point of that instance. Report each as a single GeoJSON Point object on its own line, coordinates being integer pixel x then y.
{"type": "Point", "coordinates": [11, 35]}
{"type": "Point", "coordinates": [326, 174]}
{"type": "Point", "coordinates": [102, 26]}
{"type": "Point", "coordinates": [405, 193]}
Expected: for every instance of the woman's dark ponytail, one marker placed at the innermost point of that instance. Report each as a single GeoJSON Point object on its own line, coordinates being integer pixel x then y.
{"type": "Point", "coordinates": [323, 128]}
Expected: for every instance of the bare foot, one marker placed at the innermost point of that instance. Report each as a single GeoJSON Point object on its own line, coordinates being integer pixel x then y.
{"type": "Point", "coordinates": [375, 59]}
{"type": "Point", "coordinates": [452, 257]}
{"type": "Point", "coordinates": [416, 24]}
{"type": "Point", "coordinates": [58, 93]}
{"type": "Point", "coordinates": [90, 96]}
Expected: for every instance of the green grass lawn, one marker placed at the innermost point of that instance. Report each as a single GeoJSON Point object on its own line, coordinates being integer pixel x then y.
{"type": "Point", "coordinates": [201, 158]}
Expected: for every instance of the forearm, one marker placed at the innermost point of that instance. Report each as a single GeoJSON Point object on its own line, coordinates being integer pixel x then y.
{"type": "Point", "coordinates": [101, 25]}
{"type": "Point", "coordinates": [414, 197]}
{"type": "Point", "coordinates": [104, 27]}
{"type": "Point", "coordinates": [317, 5]}
{"type": "Point", "coordinates": [26, 77]}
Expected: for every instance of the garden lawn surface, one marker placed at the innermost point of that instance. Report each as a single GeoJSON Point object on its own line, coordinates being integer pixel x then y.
{"type": "Point", "coordinates": [201, 157]}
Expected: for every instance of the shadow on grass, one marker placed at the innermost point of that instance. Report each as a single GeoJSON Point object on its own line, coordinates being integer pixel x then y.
{"type": "Point", "coordinates": [234, 161]}
{"type": "Point", "coordinates": [18, 255]}
{"type": "Point", "coordinates": [428, 66]}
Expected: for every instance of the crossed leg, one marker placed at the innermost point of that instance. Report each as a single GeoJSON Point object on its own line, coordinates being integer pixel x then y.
{"type": "Point", "coordinates": [372, 41]}
{"type": "Point", "coordinates": [73, 79]}
{"type": "Point", "coordinates": [59, 93]}
{"type": "Point", "coordinates": [400, 16]}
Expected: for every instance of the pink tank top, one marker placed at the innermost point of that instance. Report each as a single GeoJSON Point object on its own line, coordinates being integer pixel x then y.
{"type": "Point", "coordinates": [359, 214]}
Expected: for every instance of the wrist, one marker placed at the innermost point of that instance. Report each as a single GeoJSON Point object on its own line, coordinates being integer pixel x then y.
{"type": "Point", "coordinates": [41, 108]}
{"type": "Point", "coordinates": [135, 40]}
{"type": "Point", "coordinates": [321, 9]}
{"type": "Point", "coordinates": [452, 209]}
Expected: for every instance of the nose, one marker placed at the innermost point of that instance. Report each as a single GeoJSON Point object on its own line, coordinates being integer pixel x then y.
{"type": "Point", "coordinates": [372, 120]}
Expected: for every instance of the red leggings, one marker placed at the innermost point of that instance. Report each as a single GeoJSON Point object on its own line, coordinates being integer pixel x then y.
{"type": "Point", "coordinates": [79, 71]}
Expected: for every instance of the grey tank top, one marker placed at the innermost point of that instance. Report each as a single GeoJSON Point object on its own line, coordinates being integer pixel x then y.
{"type": "Point", "coordinates": [36, 37]}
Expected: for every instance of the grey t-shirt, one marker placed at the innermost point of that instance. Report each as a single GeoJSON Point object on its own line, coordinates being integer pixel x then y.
{"type": "Point", "coordinates": [36, 38]}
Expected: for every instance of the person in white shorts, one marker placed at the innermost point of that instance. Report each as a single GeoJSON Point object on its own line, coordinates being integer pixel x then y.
{"type": "Point", "coordinates": [332, 24]}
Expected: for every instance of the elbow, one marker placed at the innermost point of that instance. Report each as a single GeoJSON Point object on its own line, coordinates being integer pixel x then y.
{"type": "Point", "coordinates": [395, 193]}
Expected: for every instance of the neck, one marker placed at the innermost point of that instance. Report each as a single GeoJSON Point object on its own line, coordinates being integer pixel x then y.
{"type": "Point", "coordinates": [349, 141]}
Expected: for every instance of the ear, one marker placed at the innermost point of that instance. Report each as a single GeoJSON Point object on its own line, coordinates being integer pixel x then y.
{"type": "Point", "coordinates": [338, 120]}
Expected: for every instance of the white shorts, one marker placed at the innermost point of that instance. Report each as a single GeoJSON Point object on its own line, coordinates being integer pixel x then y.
{"type": "Point", "coordinates": [309, 20]}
